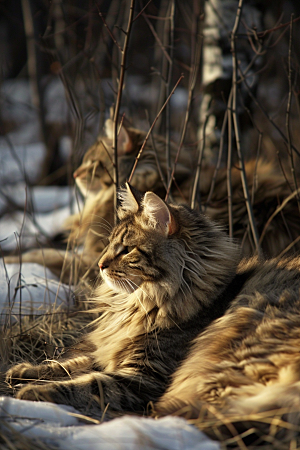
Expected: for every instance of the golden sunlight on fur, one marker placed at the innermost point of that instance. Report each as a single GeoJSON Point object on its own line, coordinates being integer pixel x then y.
{"type": "Point", "coordinates": [184, 324]}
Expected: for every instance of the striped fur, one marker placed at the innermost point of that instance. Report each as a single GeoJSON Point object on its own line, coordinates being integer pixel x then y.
{"type": "Point", "coordinates": [169, 276]}
{"type": "Point", "coordinates": [183, 324]}
{"type": "Point", "coordinates": [247, 362]}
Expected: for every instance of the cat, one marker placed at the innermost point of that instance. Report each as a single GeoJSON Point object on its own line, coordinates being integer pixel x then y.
{"type": "Point", "coordinates": [184, 322]}
{"type": "Point", "coordinates": [165, 271]}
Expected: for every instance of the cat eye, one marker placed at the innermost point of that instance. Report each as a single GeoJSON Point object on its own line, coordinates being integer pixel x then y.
{"type": "Point", "coordinates": [124, 250]}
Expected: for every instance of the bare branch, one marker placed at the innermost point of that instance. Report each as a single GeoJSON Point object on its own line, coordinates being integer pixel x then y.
{"type": "Point", "coordinates": [195, 190]}
{"type": "Point", "coordinates": [108, 29]}
{"type": "Point", "coordinates": [156, 37]}
{"type": "Point", "coordinates": [195, 64]}
{"type": "Point", "coordinates": [237, 129]}
{"type": "Point", "coordinates": [278, 210]}
{"type": "Point", "coordinates": [142, 10]}
{"type": "Point", "coordinates": [229, 164]}
{"type": "Point", "coordinates": [151, 128]}
{"type": "Point", "coordinates": [284, 25]}
{"type": "Point", "coordinates": [156, 157]}
{"type": "Point", "coordinates": [170, 33]}
{"type": "Point", "coordinates": [119, 99]}
{"type": "Point", "coordinates": [288, 109]}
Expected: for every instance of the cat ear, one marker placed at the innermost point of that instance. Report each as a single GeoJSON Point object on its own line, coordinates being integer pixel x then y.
{"type": "Point", "coordinates": [124, 141]}
{"type": "Point", "coordinates": [158, 214]}
{"type": "Point", "coordinates": [130, 200]}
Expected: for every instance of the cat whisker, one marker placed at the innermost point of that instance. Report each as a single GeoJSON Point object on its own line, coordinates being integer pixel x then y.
{"type": "Point", "coordinates": [142, 305]}
{"type": "Point", "coordinates": [90, 222]}
{"type": "Point", "coordinates": [127, 286]}
{"type": "Point", "coordinates": [104, 220]}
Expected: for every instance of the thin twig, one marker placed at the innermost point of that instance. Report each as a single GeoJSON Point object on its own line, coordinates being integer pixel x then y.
{"type": "Point", "coordinates": [271, 30]}
{"type": "Point", "coordinates": [288, 109]}
{"type": "Point", "coordinates": [108, 29]}
{"type": "Point", "coordinates": [196, 190]}
{"type": "Point", "coordinates": [164, 62]}
{"type": "Point", "coordinates": [32, 65]}
{"type": "Point", "coordinates": [195, 64]}
{"type": "Point", "coordinates": [156, 156]}
{"type": "Point", "coordinates": [151, 128]}
{"type": "Point", "coordinates": [229, 164]}
{"type": "Point", "coordinates": [170, 33]}
{"type": "Point", "coordinates": [257, 103]}
{"type": "Point", "coordinates": [278, 209]}
{"type": "Point", "coordinates": [237, 129]}
{"type": "Point", "coordinates": [142, 10]}
{"type": "Point", "coordinates": [118, 101]}
{"type": "Point", "coordinates": [156, 37]}
{"type": "Point", "coordinates": [218, 165]}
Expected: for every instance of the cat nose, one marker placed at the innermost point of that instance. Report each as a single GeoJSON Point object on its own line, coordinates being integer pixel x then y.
{"type": "Point", "coordinates": [75, 174]}
{"type": "Point", "coordinates": [102, 265]}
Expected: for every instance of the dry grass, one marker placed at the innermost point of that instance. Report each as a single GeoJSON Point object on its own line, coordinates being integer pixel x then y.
{"type": "Point", "coordinates": [269, 430]}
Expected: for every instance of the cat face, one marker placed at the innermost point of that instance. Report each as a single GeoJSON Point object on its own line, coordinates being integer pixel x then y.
{"type": "Point", "coordinates": [96, 171]}
{"type": "Point", "coordinates": [139, 249]}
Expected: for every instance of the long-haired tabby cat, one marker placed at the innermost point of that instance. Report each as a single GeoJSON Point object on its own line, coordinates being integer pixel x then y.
{"type": "Point", "coordinates": [182, 321]}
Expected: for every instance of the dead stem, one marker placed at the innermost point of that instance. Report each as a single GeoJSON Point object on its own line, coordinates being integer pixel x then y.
{"type": "Point", "coordinates": [151, 128]}
{"type": "Point", "coordinates": [162, 178]}
{"type": "Point", "coordinates": [237, 128]}
{"type": "Point", "coordinates": [229, 164]}
{"type": "Point", "coordinates": [195, 64]}
{"type": "Point", "coordinates": [170, 44]}
{"type": "Point", "coordinates": [196, 191]}
{"type": "Point", "coordinates": [32, 64]}
{"type": "Point", "coordinates": [278, 209]}
{"type": "Point", "coordinates": [288, 110]}
{"type": "Point", "coordinates": [218, 165]}
{"type": "Point", "coordinates": [257, 103]}
{"type": "Point", "coordinates": [118, 102]}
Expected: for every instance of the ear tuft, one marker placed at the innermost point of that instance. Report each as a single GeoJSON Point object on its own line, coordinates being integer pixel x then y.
{"type": "Point", "coordinates": [130, 201]}
{"type": "Point", "coordinates": [124, 141]}
{"type": "Point", "coordinates": [158, 214]}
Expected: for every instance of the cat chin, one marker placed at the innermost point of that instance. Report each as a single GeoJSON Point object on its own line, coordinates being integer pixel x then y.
{"type": "Point", "coordinates": [119, 287]}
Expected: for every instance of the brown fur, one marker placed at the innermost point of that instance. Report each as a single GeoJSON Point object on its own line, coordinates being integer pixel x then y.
{"type": "Point", "coordinates": [247, 362]}
{"type": "Point", "coordinates": [168, 268]}
{"type": "Point", "coordinates": [183, 324]}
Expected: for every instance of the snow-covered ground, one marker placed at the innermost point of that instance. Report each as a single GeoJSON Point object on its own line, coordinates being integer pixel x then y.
{"type": "Point", "coordinates": [64, 428]}
{"type": "Point", "coordinates": [32, 289]}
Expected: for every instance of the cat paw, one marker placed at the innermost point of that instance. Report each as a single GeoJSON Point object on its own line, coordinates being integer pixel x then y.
{"type": "Point", "coordinates": [53, 392]}
{"type": "Point", "coordinates": [21, 373]}
{"type": "Point", "coordinates": [34, 393]}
